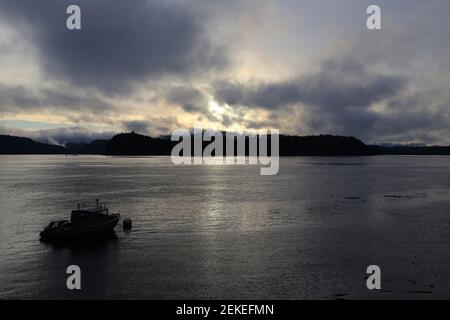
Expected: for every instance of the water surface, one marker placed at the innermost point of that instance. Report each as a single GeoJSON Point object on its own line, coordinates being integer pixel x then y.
{"type": "Point", "coordinates": [225, 232]}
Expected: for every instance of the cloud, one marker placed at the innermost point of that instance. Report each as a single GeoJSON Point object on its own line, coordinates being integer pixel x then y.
{"type": "Point", "coordinates": [139, 126]}
{"type": "Point", "coordinates": [340, 84]}
{"type": "Point", "coordinates": [120, 44]}
{"type": "Point", "coordinates": [195, 101]}
{"type": "Point", "coordinates": [58, 136]}
{"type": "Point", "coordinates": [338, 98]}
{"type": "Point", "coordinates": [19, 98]}
{"type": "Point", "coordinates": [153, 126]}
{"type": "Point", "coordinates": [189, 98]}
{"type": "Point", "coordinates": [347, 97]}
{"type": "Point", "coordinates": [233, 64]}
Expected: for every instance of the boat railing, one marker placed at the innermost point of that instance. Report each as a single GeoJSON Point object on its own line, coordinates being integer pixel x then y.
{"type": "Point", "coordinates": [96, 206]}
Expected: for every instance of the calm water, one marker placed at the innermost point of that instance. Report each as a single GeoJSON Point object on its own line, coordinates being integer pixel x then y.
{"type": "Point", "coordinates": [207, 232]}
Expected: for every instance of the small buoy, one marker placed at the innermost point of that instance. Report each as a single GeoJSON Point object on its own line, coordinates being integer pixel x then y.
{"type": "Point", "coordinates": [127, 223]}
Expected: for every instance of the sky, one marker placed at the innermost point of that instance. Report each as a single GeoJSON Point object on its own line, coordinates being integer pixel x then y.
{"type": "Point", "coordinates": [303, 67]}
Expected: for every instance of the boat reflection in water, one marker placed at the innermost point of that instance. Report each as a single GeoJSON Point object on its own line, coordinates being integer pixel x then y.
{"type": "Point", "coordinates": [85, 223]}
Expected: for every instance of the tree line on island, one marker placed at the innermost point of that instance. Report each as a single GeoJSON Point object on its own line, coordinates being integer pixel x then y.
{"type": "Point", "coordinates": [137, 144]}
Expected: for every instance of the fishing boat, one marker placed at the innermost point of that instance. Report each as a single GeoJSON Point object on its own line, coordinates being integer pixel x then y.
{"type": "Point", "coordinates": [86, 221]}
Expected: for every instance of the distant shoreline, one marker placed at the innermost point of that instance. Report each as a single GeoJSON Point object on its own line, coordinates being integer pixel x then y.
{"type": "Point", "coordinates": [168, 155]}
{"type": "Point", "coordinates": [133, 144]}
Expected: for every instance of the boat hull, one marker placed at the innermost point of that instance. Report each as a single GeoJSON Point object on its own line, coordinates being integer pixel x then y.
{"type": "Point", "coordinates": [70, 232]}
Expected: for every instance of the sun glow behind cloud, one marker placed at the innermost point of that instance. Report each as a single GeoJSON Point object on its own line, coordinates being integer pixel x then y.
{"type": "Point", "coordinates": [230, 65]}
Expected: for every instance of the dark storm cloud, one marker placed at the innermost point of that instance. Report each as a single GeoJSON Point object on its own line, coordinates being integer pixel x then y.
{"type": "Point", "coordinates": [164, 50]}
{"type": "Point", "coordinates": [194, 101]}
{"type": "Point", "coordinates": [337, 99]}
{"type": "Point", "coordinates": [410, 119]}
{"type": "Point", "coordinates": [120, 43]}
{"type": "Point", "coordinates": [190, 99]}
{"type": "Point", "coordinates": [338, 85]}
{"type": "Point", "coordinates": [19, 98]}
